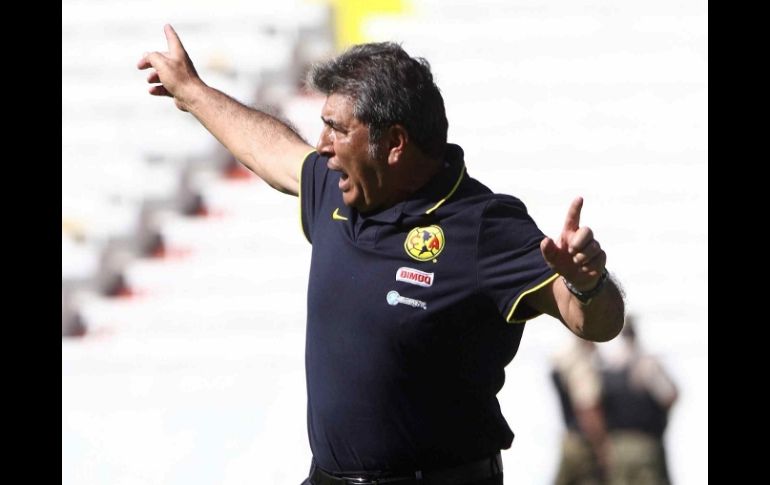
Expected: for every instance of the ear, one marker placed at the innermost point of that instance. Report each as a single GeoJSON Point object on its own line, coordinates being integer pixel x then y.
{"type": "Point", "coordinates": [397, 140]}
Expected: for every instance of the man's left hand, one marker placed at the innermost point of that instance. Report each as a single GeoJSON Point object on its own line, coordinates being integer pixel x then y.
{"type": "Point", "coordinates": [575, 255]}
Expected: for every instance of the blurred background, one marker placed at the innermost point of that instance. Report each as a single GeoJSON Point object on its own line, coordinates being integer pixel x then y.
{"type": "Point", "coordinates": [184, 276]}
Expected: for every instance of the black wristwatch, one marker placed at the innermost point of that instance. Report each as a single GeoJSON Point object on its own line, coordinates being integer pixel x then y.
{"type": "Point", "coordinates": [585, 297]}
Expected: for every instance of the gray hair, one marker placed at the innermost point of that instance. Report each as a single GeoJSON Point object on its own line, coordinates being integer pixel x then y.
{"type": "Point", "coordinates": [387, 87]}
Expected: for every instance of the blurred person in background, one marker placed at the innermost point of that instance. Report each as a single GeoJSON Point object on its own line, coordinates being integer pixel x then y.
{"type": "Point", "coordinates": [637, 396]}
{"type": "Point", "coordinates": [421, 278]}
{"type": "Point", "coordinates": [575, 375]}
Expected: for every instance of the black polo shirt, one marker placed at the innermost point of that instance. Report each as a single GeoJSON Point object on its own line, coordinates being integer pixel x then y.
{"type": "Point", "coordinates": [408, 320]}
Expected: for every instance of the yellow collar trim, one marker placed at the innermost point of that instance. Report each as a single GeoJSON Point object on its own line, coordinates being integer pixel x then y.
{"type": "Point", "coordinates": [451, 192]}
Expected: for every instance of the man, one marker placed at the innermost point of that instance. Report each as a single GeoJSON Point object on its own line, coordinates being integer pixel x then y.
{"type": "Point", "coordinates": [637, 397]}
{"type": "Point", "coordinates": [420, 277]}
{"type": "Point", "coordinates": [575, 375]}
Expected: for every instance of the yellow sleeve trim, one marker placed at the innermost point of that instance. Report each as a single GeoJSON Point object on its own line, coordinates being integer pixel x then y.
{"type": "Point", "coordinates": [525, 293]}
{"type": "Point", "coordinates": [457, 184]}
{"type": "Point", "coordinates": [299, 193]}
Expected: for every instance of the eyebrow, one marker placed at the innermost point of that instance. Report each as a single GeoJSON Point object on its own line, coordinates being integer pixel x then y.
{"type": "Point", "coordinates": [331, 123]}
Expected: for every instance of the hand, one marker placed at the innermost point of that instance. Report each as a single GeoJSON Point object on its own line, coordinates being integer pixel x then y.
{"type": "Point", "coordinates": [174, 73]}
{"type": "Point", "coordinates": [576, 255]}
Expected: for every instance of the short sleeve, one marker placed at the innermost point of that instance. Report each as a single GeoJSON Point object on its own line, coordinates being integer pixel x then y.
{"type": "Point", "coordinates": [510, 264]}
{"type": "Point", "coordinates": [312, 179]}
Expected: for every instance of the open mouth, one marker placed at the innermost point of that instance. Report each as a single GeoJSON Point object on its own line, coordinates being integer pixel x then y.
{"type": "Point", "coordinates": [343, 184]}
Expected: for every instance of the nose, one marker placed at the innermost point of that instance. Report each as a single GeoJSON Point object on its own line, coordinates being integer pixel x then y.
{"type": "Point", "coordinates": [324, 145]}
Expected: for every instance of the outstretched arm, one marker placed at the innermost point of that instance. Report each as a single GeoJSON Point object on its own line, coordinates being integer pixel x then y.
{"type": "Point", "coordinates": [265, 145]}
{"type": "Point", "coordinates": [579, 258]}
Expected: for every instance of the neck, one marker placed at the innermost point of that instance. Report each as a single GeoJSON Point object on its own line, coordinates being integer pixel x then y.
{"type": "Point", "coordinates": [411, 174]}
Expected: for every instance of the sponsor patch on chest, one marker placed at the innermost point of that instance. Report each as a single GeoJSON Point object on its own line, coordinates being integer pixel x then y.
{"type": "Point", "coordinates": [414, 277]}
{"type": "Point", "coordinates": [394, 298]}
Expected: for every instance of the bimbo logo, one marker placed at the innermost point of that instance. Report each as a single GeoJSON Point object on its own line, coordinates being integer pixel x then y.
{"type": "Point", "coordinates": [414, 277]}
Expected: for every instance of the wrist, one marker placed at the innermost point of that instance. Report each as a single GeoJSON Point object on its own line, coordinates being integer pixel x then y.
{"type": "Point", "coordinates": [585, 296]}
{"type": "Point", "coordinates": [193, 94]}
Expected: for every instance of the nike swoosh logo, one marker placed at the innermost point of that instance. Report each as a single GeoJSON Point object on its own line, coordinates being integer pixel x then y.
{"type": "Point", "coordinates": [336, 215]}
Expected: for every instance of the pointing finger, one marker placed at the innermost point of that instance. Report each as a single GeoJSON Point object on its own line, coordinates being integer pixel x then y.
{"type": "Point", "coordinates": [174, 44]}
{"type": "Point", "coordinates": [572, 222]}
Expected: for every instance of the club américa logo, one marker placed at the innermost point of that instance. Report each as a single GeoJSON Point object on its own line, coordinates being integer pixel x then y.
{"type": "Point", "coordinates": [425, 243]}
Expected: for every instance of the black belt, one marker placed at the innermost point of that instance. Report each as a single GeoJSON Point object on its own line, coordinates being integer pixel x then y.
{"type": "Point", "coordinates": [457, 475]}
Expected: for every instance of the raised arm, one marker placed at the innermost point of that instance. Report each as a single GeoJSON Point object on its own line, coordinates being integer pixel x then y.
{"type": "Point", "coordinates": [265, 145]}
{"type": "Point", "coordinates": [580, 260]}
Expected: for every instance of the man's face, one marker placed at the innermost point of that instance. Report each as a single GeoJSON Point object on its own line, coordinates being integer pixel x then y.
{"type": "Point", "coordinates": [345, 140]}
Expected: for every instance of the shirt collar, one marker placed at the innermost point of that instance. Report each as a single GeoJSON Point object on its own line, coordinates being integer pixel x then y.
{"type": "Point", "coordinates": [431, 195]}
